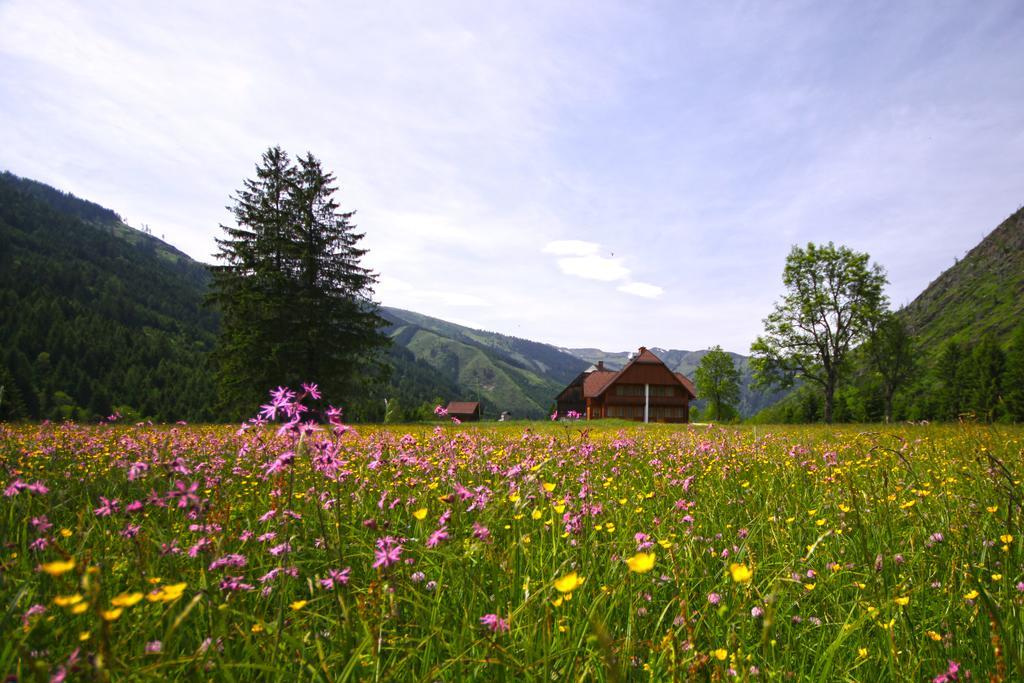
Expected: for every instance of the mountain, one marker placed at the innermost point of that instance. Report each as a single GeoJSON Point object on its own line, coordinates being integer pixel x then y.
{"type": "Point", "coordinates": [751, 400]}
{"type": "Point", "coordinates": [95, 315]}
{"type": "Point", "coordinates": [503, 372]}
{"type": "Point", "coordinates": [981, 294]}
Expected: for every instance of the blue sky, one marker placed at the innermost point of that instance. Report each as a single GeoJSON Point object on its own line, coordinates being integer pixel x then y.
{"type": "Point", "coordinates": [586, 174]}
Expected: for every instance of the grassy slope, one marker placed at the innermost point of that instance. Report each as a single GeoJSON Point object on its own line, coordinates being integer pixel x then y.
{"type": "Point", "coordinates": [981, 294]}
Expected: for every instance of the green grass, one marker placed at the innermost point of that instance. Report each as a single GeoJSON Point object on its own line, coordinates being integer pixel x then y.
{"type": "Point", "coordinates": [836, 524]}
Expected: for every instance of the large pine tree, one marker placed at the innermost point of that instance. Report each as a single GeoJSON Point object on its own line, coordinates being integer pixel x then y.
{"type": "Point", "coordinates": [296, 304]}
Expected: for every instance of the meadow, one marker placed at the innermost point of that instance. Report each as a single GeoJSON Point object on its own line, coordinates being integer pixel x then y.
{"type": "Point", "coordinates": [298, 550]}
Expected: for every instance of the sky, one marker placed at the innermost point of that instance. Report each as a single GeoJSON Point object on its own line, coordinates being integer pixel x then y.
{"type": "Point", "coordinates": [587, 174]}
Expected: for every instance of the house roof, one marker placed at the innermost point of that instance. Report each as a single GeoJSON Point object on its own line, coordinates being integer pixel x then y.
{"type": "Point", "coordinates": [598, 381]}
{"type": "Point", "coordinates": [463, 407]}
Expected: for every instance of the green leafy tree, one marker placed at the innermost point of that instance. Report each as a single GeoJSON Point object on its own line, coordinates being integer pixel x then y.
{"type": "Point", "coordinates": [833, 298]}
{"type": "Point", "coordinates": [718, 382]}
{"type": "Point", "coordinates": [890, 353]}
{"type": "Point", "coordinates": [1013, 377]}
{"type": "Point", "coordinates": [296, 304]}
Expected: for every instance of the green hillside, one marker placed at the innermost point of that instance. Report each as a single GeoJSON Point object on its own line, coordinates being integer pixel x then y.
{"type": "Point", "coordinates": [752, 399]}
{"type": "Point", "coordinates": [503, 372]}
{"type": "Point", "coordinates": [981, 294]}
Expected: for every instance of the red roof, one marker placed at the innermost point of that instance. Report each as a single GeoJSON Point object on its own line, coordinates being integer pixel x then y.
{"type": "Point", "coordinates": [463, 407]}
{"type": "Point", "coordinates": [598, 381]}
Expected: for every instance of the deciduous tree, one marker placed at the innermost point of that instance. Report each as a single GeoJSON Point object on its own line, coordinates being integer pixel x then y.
{"type": "Point", "coordinates": [718, 381]}
{"type": "Point", "coordinates": [833, 298]}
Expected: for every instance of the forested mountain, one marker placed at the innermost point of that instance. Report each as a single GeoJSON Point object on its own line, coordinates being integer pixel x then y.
{"type": "Point", "coordinates": [96, 315]}
{"type": "Point", "coordinates": [752, 399]}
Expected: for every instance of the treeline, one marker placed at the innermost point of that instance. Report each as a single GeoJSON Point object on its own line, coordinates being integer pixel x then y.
{"type": "Point", "coordinates": [973, 380]}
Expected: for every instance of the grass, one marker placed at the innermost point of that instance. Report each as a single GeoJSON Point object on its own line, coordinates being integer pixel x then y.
{"type": "Point", "coordinates": [874, 555]}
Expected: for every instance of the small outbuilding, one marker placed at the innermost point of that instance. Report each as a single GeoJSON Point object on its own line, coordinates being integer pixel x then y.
{"type": "Point", "coordinates": [465, 411]}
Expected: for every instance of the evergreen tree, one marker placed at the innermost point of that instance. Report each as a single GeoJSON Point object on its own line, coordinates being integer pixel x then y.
{"type": "Point", "coordinates": [718, 382]}
{"type": "Point", "coordinates": [295, 302]}
{"type": "Point", "coordinates": [985, 378]}
{"type": "Point", "coordinates": [1013, 377]}
{"type": "Point", "coordinates": [949, 381]}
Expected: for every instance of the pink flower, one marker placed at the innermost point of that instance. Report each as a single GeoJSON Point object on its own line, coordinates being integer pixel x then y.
{"type": "Point", "coordinates": [388, 552]}
{"type": "Point", "coordinates": [335, 577]}
{"type": "Point", "coordinates": [495, 623]}
{"type": "Point", "coordinates": [108, 507]}
{"type": "Point", "coordinates": [436, 537]}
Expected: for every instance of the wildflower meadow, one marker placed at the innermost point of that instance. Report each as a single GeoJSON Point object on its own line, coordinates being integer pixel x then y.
{"type": "Point", "coordinates": [299, 548]}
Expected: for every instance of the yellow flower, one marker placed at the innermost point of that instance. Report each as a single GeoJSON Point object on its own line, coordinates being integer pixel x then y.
{"type": "Point", "coordinates": [256, 628]}
{"type": "Point", "coordinates": [641, 563]}
{"type": "Point", "coordinates": [810, 586]}
{"type": "Point", "coordinates": [126, 599]}
{"type": "Point", "coordinates": [862, 652]}
{"type": "Point", "coordinates": [549, 487]}
{"type": "Point", "coordinates": [84, 636]}
{"type": "Point", "coordinates": [992, 508]}
{"type": "Point", "coordinates": [933, 635]}
{"type": "Point", "coordinates": [901, 601]}
{"type": "Point", "coordinates": [557, 602]}
{"type": "Point", "coordinates": [536, 514]}
{"type": "Point", "coordinates": [167, 593]}
{"type": "Point", "coordinates": [80, 608]}
{"type": "Point", "coordinates": [298, 604]}
{"type": "Point", "coordinates": [560, 507]}
{"type": "Point", "coordinates": [420, 514]}
{"type": "Point", "coordinates": [568, 583]}
{"type": "Point", "coordinates": [112, 614]}
{"type": "Point", "coordinates": [740, 573]}
{"type": "Point", "coordinates": [59, 567]}
{"type": "Point", "coordinates": [665, 544]}
{"type": "Point", "coordinates": [66, 533]}
{"type": "Point", "coordinates": [971, 596]}
{"type": "Point", "coordinates": [67, 600]}
{"type": "Point", "coordinates": [720, 654]}
{"type": "Point", "coordinates": [997, 577]}
{"type": "Point", "coordinates": [1006, 538]}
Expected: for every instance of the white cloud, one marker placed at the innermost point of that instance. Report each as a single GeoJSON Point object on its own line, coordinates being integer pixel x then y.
{"type": "Point", "coordinates": [643, 289]}
{"type": "Point", "coordinates": [594, 267]}
{"type": "Point", "coordinates": [571, 248]}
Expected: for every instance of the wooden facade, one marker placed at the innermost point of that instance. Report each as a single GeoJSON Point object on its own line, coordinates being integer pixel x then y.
{"type": "Point", "coordinates": [645, 390]}
{"type": "Point", "coordinates": [465, 411]}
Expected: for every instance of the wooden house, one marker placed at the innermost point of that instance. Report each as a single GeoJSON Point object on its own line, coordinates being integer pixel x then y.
{"type": "Point", "coordinates": [644, 390]}
{"type": "Point", "coordinates": [465, 411]}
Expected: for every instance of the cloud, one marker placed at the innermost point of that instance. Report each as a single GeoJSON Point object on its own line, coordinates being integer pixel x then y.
{"type": "Point", "coordinates": [594, 267]}
{"type": "Point", "coordinates": [643, 289]}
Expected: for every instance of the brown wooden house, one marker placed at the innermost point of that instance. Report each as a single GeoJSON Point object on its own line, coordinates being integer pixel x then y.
{"type": "Point", "coordinates": [466, 411]}
{"type": "Point", "coordinates": [644, 390]}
